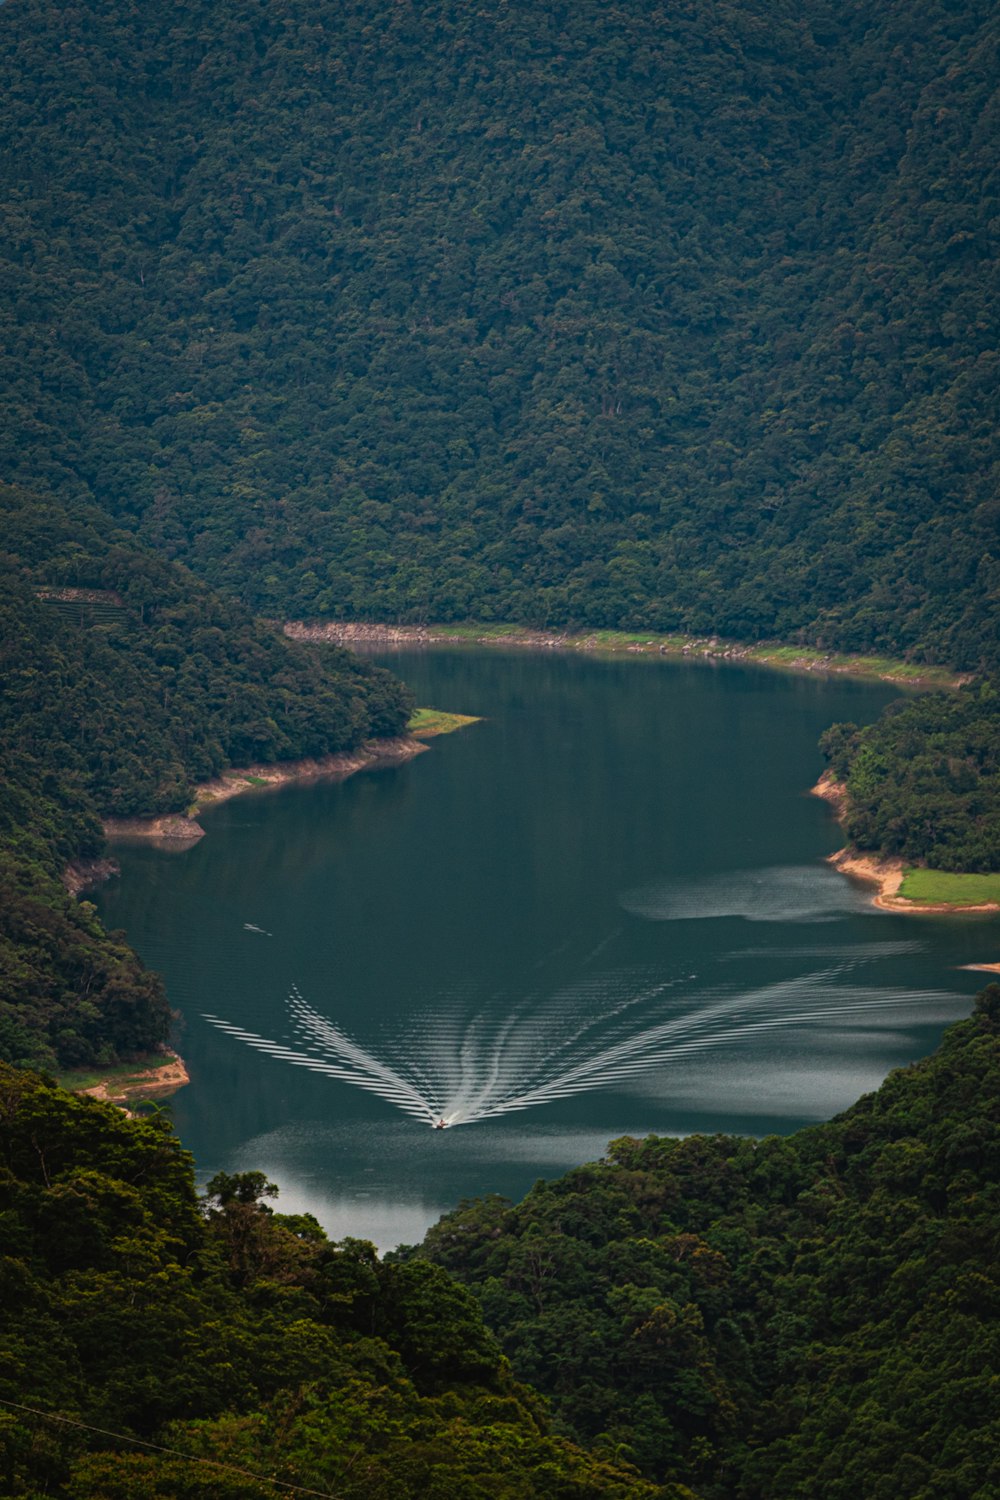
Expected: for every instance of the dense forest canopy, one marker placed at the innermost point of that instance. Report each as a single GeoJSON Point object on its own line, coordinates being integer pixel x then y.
{"type": "Point", "coordinates": [168, 685]}
{"type": "Point", "coordinates": [613, 315]}
{"type": "Point", "coordinates": [235, 1336]}
{"type": "Point", "coordinates": [811, 1317]}
{"type": "Point", "coordinates": [116, 701]}
{"type": "Point", "coordinates": [923, 782]}
{"type": "Point", "coordinates": [609, 315]}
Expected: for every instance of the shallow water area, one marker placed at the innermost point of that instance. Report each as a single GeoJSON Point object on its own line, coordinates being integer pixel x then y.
{"type": "Point", "coordinates": [602, 911]}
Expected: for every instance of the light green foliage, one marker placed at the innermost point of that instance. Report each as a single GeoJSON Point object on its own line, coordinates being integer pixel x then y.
{"type": "Point", "coordinates": [957, 890]}
{"type": "Point", "coordinates": [426, 723]}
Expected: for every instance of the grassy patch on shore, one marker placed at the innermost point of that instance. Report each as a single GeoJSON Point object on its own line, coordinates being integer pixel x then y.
{"type": "Point", "coordinates": [120, 1077]}
{"type": "Point", "coordinates": [427, 722]}
{"type": "Point", "coordinates": [945, 889]}
{"type": "Point", "coordinates": [883, 667]}
{"type": "Point", "coordinates": [774, 654]}
{"type": "Point", "coordinates": [473, 632]}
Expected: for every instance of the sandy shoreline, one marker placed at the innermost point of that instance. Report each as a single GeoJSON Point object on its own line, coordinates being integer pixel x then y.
{"type": "Point", "coordinates": [360, 634]}
{"type": "Point", "coordinates": [145, 1083]}
{"type": "Point", "coordinates": [833, 791]}
{"type": "Point", "coordinates": [884, 872]}
{"type": "Point", "coordinates": [177, 829]}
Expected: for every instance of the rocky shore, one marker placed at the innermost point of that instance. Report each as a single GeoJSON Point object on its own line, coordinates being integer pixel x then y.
{"type": "Point", "coordinates": [884, 872]}
{"type": "Point", "coordinates": [180, 828]}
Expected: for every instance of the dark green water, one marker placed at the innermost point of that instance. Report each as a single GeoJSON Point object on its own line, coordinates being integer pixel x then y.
{"type": "Point", "coordinates": [615, 884]}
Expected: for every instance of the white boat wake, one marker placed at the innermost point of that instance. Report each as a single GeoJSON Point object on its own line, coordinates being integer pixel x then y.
{"type": "Point", "coordinates": [502, 1060]}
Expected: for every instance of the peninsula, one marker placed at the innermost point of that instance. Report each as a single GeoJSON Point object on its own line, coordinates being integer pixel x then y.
{"type": "Point", "coordinates": [903, 887]}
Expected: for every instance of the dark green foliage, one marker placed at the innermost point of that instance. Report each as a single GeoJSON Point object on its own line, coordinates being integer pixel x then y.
{"type": "Point", "coordinates": [71, 994]}
{"type": "Point", "coordinates": [172, 687]}
{"type": "Point", "coordinates": [641, 316]}
{"type": "Point", "coordinates": [924, 781]}
{"type": "Point", "coordinates": [231, 1333]}
{"type": "Point", "coordinates": [116, 698]}
{"type": "Point", "coordinates": [811, 1317]}
{"type": "Point", "coordinates": [617, 316]}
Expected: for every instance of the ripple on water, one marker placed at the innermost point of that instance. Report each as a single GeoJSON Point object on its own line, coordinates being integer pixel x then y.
{"type": "Point", "coordinates": [781, 893]}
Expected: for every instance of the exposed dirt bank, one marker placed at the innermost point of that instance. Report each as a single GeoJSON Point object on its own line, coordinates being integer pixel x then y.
{"type": "Point", "coordinates": [172, 828]}
{"type": "Point", "coordinates": [774, 654]}
{"type": "Point", "coordinates": [887, 875]}
{"type": "Point", "coordinates": [177, 829]}
{"type": "Point", "coordinates": [356, 633]}
{"type": "Point", "coordinates": [83, 874]}
{"type": "Point", "coordinates": [251, 778]}
{"type": "Point", "coordinates": [834, 792]}
{"type": "Point", "coordinates": [156, 1082]}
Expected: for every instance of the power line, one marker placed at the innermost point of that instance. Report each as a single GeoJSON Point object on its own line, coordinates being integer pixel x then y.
{"type": "Point", "coordinates": [191, 1458]}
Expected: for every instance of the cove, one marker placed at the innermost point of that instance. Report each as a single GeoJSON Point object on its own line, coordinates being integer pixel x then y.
{"type": "Point", "coordinates": [602, 911]}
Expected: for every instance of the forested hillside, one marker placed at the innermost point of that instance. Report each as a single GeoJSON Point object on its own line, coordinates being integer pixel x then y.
{"type": "Point", "coordinates": [238, 1340]}
{"type": "Point", "coordinates": [612, 315]}
{"type": "Point", "coordinates": [923, 782]}
{"type": "Point", "coordinates": [125, 681]}
{"type": "Point", "coordinates": [811, 1317]}
{"type": "Point", "coordinates": [626, 315]}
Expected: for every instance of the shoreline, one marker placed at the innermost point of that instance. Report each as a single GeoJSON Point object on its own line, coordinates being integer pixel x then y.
{"type": "Point", "coordinates": [174, 830]}
{"type": "Point", "coordinates": [887, 872]}
{"type": "Point", "coordinates": [83, 874]}
{"type": "Point", "coordinates": [178, 831]}
{"type": "Point", "coordinates": [127, 1084]}
{"type": "Point", "coordinates": [359, 634]}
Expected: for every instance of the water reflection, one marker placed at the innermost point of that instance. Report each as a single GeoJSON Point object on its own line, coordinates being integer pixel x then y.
{"type": "Point", "coordinates": [456, 1065]}
{"type": "Point", "coordinates": [792, 893]}
{"type": "Point", "coordinates": [457, 932]}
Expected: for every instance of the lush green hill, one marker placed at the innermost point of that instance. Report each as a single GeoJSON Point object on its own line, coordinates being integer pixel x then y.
{"type": "Point", "coordinates": [239, 1340]}
{"type": "Point", "coordinates": [125, 681]}
{"type": "Point", "coordinates": [923, 782]}
{"type": "Point", "coordinates": [636, 315]}
{"type": "Point", "coordinates": [158, 683]}
{"type": "Point", "coordinates": [810, 1317]}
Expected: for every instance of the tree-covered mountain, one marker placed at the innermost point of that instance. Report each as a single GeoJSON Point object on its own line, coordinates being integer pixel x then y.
{"type": "Point", "coordinates": [613, 315]}
{"type": "Point", "coordinates": [161, 683]}
{"type": "Point", "coordinates": [923, 782]}
{"type": "Point", "coordinates": [203, 1349]}
{"type": "Point", "coordinates": [124, 682]}
{"type": "Point", "coordinates": [811, 1317]}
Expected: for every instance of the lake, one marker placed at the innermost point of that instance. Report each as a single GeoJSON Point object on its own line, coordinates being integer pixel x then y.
{"type": "Point", "coordinates": [602, 911]}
